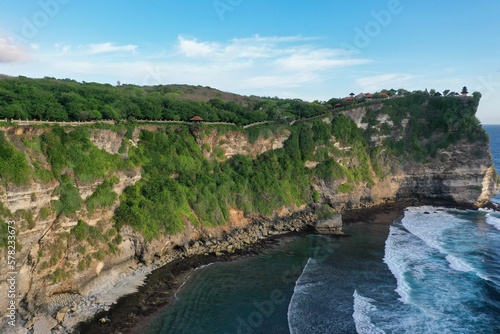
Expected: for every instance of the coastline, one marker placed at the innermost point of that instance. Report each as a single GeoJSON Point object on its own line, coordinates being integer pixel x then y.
{"type": "Point", "coordinates": [158, 291]}
{"type": "Point", "coordinates": [146, 288]}
{"type": "Point", "coordinates": [160, 287]}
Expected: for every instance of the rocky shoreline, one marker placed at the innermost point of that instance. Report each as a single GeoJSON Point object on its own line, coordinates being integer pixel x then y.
{"type": "Point", "coordinates": [116, 303]}
{"type": "Point", "coordinates": [64, 312]}
{"type": "Point", "coordinates": [160, 287]}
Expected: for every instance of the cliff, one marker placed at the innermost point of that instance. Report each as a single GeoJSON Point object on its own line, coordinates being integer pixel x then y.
{"type": "Point", "coordinates": [99, 206]}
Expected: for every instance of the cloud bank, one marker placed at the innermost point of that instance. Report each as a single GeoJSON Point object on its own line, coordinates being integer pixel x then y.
{"type": "Point", "coordinates": [12, 52]}
{"type": "Point", "coordinates": [261, 65]}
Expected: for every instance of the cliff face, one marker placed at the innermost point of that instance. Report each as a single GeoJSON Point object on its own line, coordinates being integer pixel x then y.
{"type": "Point", "coordinates": [463, 172]}
{"type": "Point", "coordinates": [59, 258]}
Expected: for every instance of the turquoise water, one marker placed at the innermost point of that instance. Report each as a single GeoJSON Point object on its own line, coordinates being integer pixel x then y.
{"type": "Point", "coordinates": [240, 296]}
{"type": "Point", "coordinates": [253, 295]}
{"type": "Point", "coordinates": [434, 270]}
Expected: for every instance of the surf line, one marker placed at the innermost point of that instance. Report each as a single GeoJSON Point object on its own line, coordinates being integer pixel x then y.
{"type": "Point", "coordinates": [189, 276]}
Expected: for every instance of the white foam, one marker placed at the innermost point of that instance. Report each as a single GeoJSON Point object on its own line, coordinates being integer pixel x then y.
{"type": "Point", "coordinates": [485, 210]}
{"type": "Point", "coordinates": [493, 221]}
{"type": "Point", "coordinates": [397, 247]}
{"type": "Point", "coordinates": [458, 264]}
{"type": "Point", "coordinates": [293, 310]}
{"type": "Point", "coordinates": [362, 308]}
{"type": "Point", "coordinates": [189, 276]}
{"type": "Point", "coordinates": [430, 226]}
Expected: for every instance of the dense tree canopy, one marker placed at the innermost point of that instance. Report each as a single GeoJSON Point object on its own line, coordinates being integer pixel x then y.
{"type": "Point", "coordinates": [67, 100]}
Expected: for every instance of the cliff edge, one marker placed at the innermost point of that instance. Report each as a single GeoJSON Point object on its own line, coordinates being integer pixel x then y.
{"type": "Point", "coordinates": [95, 208]}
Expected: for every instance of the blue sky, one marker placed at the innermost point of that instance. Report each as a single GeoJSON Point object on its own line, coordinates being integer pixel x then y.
{"type": "Point", "coordinates": [314, 50]}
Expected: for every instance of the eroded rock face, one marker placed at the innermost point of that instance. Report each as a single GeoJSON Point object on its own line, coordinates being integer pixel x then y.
{"type": "Point", "coordinates": [108, 140]}
{"type": "Point", "coordinates": [236, 142]}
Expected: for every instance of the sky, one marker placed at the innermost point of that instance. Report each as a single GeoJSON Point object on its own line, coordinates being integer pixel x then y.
{"type": "Point", "coordinates": [312, 50]}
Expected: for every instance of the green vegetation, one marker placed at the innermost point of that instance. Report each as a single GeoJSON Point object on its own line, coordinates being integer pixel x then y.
{"type": "Point", "coordinates": [345, 188]}
{"type": "Point", "coordinates": [45, 212]}
{"type": "Point", "coordinates": [103, 196]}
{"type": "Point", "coordinates": [69, 198]}
{"type": "Point", "coordinates": [434, 122]}
{"type": "Point", "coordinates": [325, 212]}
{"type": "Point", "coordinates": [75, 150]}
{"type": "Point", "coordinates": [27, 216]}
{"type": "Point", "coordinates": [179, 185]}
{"type": "Point", "coordinates": [83, 231]}
{"type": "Point", "coordinates": [4, 229]}
{"type": "Point", "coordinates": [67, 100]}
{"type": "Point", "coordinates": [14, 166]}
{"type": "Point", "coordinates": [4, 212]}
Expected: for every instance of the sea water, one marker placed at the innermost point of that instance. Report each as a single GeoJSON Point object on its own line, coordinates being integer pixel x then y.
{"type": "Point", "coordinates": [433, 270]}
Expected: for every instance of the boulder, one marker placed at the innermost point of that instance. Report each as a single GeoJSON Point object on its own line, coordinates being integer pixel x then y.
{"type": "Point", "coordinates": [332, 225]}
{"type": "Point", "coordinates": [44, 325]}
{"type": "Point", "coordinates": [60, 315]}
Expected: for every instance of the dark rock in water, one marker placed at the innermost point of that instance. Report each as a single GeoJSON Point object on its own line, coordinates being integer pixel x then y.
{"type": "Point", "coordinates": [492, 206]}
{"type": "Point", "coordinates": [330, 226]}
{"type": "Point", "coordinates": [427, 213]}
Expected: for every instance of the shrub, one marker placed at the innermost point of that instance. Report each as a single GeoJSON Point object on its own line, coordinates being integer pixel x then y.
{"type": "Point", "coordinates": [345, 188]}
{"type": "Point", "coordinates": [69, 198]}
{"type": "Point", "coordinates": [14, 166]}
{"type": "Point", "coordinates": [103, 196]}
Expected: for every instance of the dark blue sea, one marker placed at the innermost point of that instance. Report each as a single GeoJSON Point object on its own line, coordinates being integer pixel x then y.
{"type": "Point", "coordinates": [432, 270]}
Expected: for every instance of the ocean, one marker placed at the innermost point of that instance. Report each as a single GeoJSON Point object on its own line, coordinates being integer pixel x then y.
{"type": "Point", "coordinates": [432, 270]}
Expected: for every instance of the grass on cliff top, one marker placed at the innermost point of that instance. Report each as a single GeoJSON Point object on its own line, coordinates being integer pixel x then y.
{"type": "Point", "coordinates": [434, 123]}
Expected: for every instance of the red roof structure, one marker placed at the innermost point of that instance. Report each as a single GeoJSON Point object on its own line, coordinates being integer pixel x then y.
{"type": "Point", "coordinates": [196, 119]}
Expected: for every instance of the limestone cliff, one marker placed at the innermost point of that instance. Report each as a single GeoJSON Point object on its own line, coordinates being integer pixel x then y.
{"type": "Point", "coordinates": [65, 262]}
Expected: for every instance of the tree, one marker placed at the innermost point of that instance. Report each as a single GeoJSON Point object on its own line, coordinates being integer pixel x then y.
{"type": "Point", "coordinates": [11, 111]}
{"type": "Point", "coordinates": [108, 112]}
{"type": "Point", "coordinates": [446, 92]}
{"type": "Point", "coordinates": [94, 115]}
{"type": "Point", "coordinates": [476, 96]}
{"type": "Point", "coordinates": [306, 141]}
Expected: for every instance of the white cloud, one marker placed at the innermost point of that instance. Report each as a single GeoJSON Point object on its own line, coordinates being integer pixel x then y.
{"type": "Point", "coordinates": [12, 52]}
{"type": "Point", "coordinates": [110, 47]}
{"type": "Point", "coordinates": [311, 60]}
{"type": "Point", "coordinates": [270, 66]}
{"type": "Point", "coordinates": [193, 48]}
{"type": "Point", "coordinates": [382, 81]}
{"type": "Point", "coordinates": [288, 55]}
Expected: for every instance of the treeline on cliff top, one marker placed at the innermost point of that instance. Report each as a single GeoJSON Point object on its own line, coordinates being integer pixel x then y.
{"type": "Point", "coordinates": [67, 100]}
{"type": "Point", "coordinates": [51, 99]}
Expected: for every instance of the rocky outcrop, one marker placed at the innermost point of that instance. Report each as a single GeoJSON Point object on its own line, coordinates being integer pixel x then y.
{"type": "Point", "coordinates": [332, 225]}
{"type": "Point", "coordinates": [237, 142]}
{"type": "Point", "coordinates": [108, 140]}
